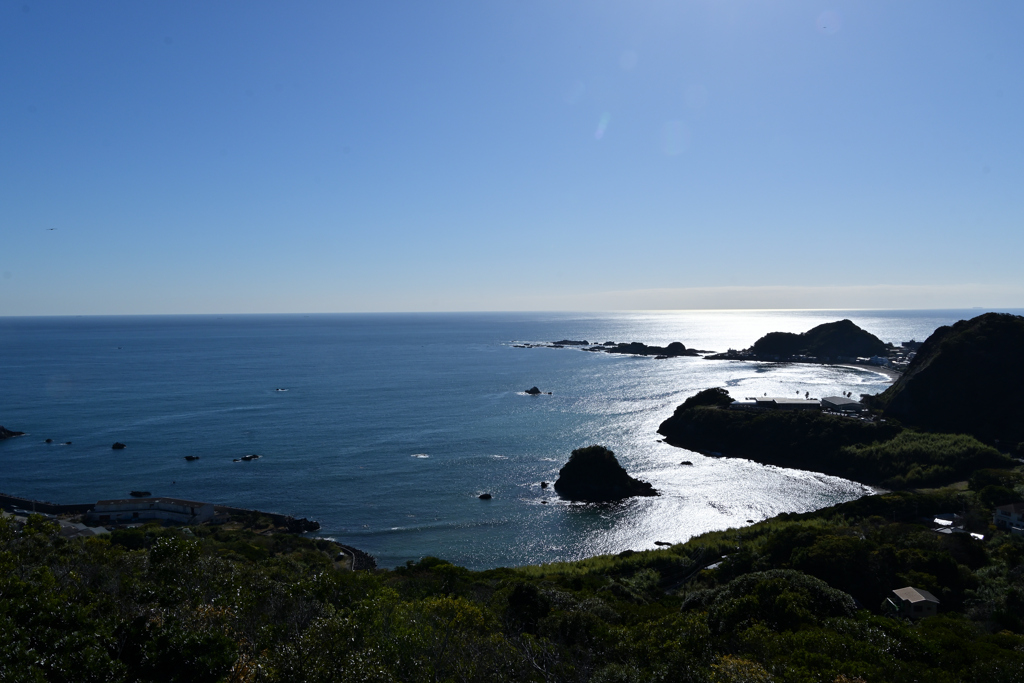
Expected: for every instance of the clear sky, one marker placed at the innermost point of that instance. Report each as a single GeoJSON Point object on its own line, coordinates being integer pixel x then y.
{"type": "Point", "coordinates": [191, 157]}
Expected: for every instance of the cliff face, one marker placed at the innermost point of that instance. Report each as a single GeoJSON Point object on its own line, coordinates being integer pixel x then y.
{"type": "Point", "coordinates": [967, 378]}
{"type": "Point", "coordinates": [841, 338]}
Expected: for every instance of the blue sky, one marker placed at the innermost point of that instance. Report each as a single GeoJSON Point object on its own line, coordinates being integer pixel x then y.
{"type": "Point", "coordinates": [192, 157]}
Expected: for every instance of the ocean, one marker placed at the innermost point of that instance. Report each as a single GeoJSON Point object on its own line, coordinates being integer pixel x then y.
{"type": "Point", "coordinates": [387, 427]}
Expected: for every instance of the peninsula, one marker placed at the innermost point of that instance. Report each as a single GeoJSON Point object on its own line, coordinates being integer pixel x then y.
{"type": "Point", "coordinates": [840, 342]}
{"type": "Point", "coordinates": [957, 409]}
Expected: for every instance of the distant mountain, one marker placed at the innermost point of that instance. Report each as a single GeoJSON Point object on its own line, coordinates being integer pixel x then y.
{"type": "Point", "coordinates": [830, 340]}
{"type": "Point", "coordinates": [967, 378]}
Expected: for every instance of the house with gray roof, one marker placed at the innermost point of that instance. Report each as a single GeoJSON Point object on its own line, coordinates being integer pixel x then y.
{"type": "Point", "coordinates": [913, 603]}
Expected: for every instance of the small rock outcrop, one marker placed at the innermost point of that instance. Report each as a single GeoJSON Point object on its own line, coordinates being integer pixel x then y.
{"type": "Point", "coordinates": [673, 350]}
{"type": "Point", "coordinates": [190, 458]}
{"type": "Point", "coordinates": [7, 433]}
{"type": "Point", "coordinates": [594, 475]}
{"type": "Point", "coordinates": [533, 391]}
{"type": "Point", "coordinates": [484, 496]}
{"type": "Point", "coordinates": [118, 446]}
{"type": "Point", "coordinates": [301, 525]}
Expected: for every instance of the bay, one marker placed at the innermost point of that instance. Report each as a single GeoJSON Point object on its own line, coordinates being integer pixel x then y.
{"type": "Point", "coordinates": [386, 428]}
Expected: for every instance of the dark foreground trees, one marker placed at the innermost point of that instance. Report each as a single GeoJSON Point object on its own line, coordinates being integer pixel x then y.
{"type": "Point", "coordinates": [791, 599]}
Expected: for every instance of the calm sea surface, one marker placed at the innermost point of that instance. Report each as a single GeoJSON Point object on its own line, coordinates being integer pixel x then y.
{"type": "Point", "coordinates": [392, 425]}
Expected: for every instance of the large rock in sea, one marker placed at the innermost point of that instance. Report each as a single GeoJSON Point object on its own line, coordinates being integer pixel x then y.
{"type": "Point", "coordinates": [966, 378]}
{"type": "Point", "coordinates": [594, 475]}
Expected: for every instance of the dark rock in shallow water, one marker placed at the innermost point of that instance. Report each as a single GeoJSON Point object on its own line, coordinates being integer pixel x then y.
{"type": "Point", "coordinates": [639, 349]}
{"type": "Point", "coordinates": [572, 342]}
{"type": "Point", "coordinates": [302, 525]}
{"type": "Point", "coordinates": [686, 462]}
{"type": "Point", "coordinates": [543, 484]}
{"type": "Point", "coordinates": [484, 496]}
{"type": "Point", "coordinates": [7, 433]}
{"type": "Point", "coordinates": [662, 543]}
{"type": "Point", "coordinates": [140, 494]}
{"type": "Point", "coordinates": [118, 446]}
{"type": "Point", "coordinates": [533, 391]}
{"type": "Point", "coordinates": [49, 441]}
{"type": "Point", "coordinates": [190, 458]}
{"type": "Point", "coordinates": [594, 475]}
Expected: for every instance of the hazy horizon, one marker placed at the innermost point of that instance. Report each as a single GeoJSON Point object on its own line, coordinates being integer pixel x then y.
{"type": "Point", "coordinates": [252, 157]}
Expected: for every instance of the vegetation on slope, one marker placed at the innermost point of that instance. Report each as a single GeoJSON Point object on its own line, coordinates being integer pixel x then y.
{"type": "Point", "coordinates": [878, 453]}
{"type": "Point", "coordinates": [965, 378]}
{"type": "Point", "coordinates": [795, 598]}
{"type": "Point", "coordinates": [830, 340]}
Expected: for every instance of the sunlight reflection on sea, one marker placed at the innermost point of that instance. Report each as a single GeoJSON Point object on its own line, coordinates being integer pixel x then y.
{"type": "Point", "coordinates": [366, 392]}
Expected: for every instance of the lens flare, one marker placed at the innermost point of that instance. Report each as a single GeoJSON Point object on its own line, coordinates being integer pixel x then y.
{"type": "Point", "coordinates": [602, 125]}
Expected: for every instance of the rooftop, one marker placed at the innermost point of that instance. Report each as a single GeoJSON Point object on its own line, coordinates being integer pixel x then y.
{"type": "Point", "coordinates": [841, 401]}
{"type": "Point", "coordinates": [788, 401]}
{"type": "Point", "coordinates": [915, 595]}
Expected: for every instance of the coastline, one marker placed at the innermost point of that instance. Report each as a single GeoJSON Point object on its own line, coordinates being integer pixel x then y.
{"type": "Point", "coordinates": [279, 523]}
{"type": "Point", "coordinates": [888, 372]}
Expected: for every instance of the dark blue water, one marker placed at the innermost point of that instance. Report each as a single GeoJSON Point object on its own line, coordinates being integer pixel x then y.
{"type": "Point", "coordinates": [367, 393]}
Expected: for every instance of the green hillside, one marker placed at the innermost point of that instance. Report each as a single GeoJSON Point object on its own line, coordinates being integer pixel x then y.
{"type": "Point", "coordinates": [966, 378]}
{"type": "Point", "coordinates": [830, 340]}
{"type": "Point", "coordinates": [796, 598]}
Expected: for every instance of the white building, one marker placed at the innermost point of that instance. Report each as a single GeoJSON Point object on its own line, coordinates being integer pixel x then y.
{"type": "Point", "coordinates": [144, 509]}
{"type": "Point", "coordinates": [1010, 518]}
